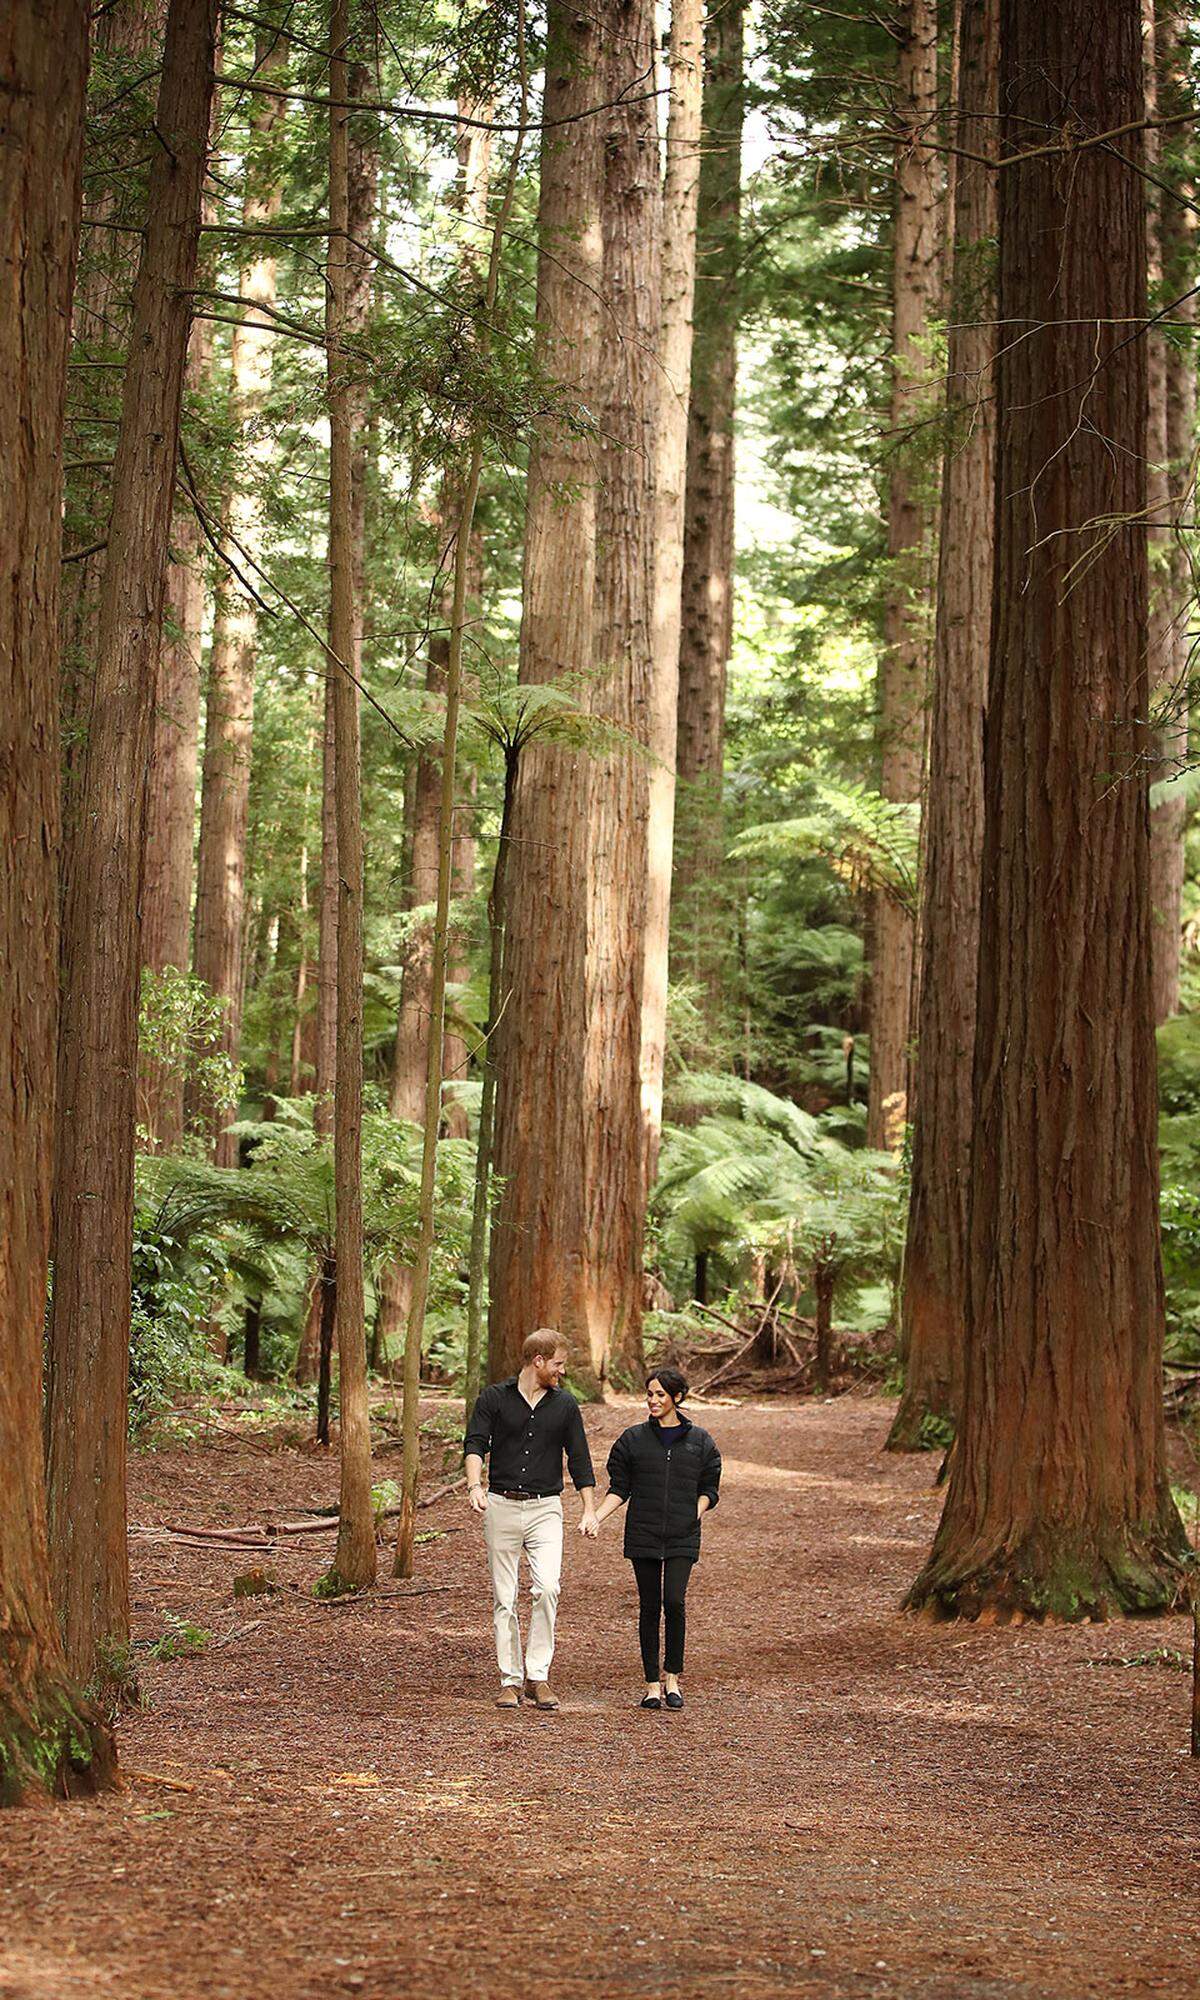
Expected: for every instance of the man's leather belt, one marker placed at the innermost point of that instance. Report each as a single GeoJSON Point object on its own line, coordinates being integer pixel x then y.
{"type": "Point", "coordinates": [514, 1493]}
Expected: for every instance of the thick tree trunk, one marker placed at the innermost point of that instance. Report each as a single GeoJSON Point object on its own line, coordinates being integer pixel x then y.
{"type": "Point", "coordinates": [621, 696]}
{"type": "Point", "coordinates": [127, 40]}
{"type": "Point", "coordinates": [49, 1738]}
{"type": "Point", "coordinates": [904, 668]}
{"type": "Point", "coordinates": [229, 724]}
{"type": "Point", "coordinates": [699, 921]}
{"type": "Point", "coordinates": [93, 1189]}
{"type": "Point", "coordinates": [933, 1304]}
{"type": "Point", "coordinates": [171, 809]}
{"type": "Point", "coordinates": [473, 1372]}
{"type": "Point", "coordinates": [1058, 1502]}
{"type": "Point", "coordinates": [680, 201]}
{"type": "Point", "coordinates": [354, 1558]}
{"type": "Point", "coordinates": [536, 1260]}
{"type": "Point", "coordinates": [1171, 207]}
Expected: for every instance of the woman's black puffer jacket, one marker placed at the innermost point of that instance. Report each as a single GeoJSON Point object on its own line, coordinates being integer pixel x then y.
{"type": "Point", "coordinates": [662, 1487]}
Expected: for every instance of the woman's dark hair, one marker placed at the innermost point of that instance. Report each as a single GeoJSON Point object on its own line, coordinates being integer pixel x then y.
{"type": "Point", "coordinates": [673, 1382]}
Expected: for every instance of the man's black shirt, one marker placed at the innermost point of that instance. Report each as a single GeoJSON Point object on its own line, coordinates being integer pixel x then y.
{"type": "Point", "coordinates": [526, 1445]}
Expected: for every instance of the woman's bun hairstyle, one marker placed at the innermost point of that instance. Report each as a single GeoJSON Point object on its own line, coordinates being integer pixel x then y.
{"type": "Point", "coordinates": [673, 1382]}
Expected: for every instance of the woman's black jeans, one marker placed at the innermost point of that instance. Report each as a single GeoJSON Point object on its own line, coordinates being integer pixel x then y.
{"type": "Point", "coordinates": [662, 1590]}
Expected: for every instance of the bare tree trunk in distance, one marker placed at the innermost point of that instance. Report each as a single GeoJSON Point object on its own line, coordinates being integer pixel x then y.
{"type": "Point", "coordinates": [354, 1558]}
{"type": "Point", "coordinates": [93, 1184]}
{"type": "Point", "coordinates": [363, 186]}
{"type": "Point", "coordinates": [536, 1258]}
{"type": "Point", "coordinates": [699, 921]}
{"type": "Point", "coordinates": [1171, 205]}
{"type": "Point", "coordinates": [680, 202]}
{"type": "Point", "coordinates": [49, 1738]}
{"type": "Point", "coordinates": [229, 726]}
{"type": "Point", "coordinates": [622, 694]}
{"type": "Point", "coordinates": [1058, 1503]}
{"type": "Point", "coordinates": [171, 811]}
{"type": "Point", "coordinates": [308, 1352]}
{"type": "Point", "coordinates": [933, 1303]}
{"type": "Point", "coordinates": [414, 1332]}
{"type": "Point", "coordinates": [904, 668]}
{"type": "Point", "coordinates": [412, 1030]}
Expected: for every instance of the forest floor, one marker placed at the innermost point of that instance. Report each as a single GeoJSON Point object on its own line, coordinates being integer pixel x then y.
{"type": "Point", "coordinates": [852, 1803]}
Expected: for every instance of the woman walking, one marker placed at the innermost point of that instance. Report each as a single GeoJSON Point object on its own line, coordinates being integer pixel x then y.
{"type": "Point", "coordinates": [669, 1472]}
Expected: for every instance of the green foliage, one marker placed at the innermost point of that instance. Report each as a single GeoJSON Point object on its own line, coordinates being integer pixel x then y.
{"type": "Point", "coordinates": [757, 1178]}
{"type": "Point", "coordinates": [179, 1033]}
{"type": "Point", "coordinates": [1180, 1222]}
{"type": "Point", "coordinates": [1179, 1064]}
{"type": "Point", "coordinates": [181, 1640]}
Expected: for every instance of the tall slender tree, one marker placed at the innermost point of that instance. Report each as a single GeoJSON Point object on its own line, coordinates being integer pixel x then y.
{"type": "Point", "coordinates": [904, 668]}
{"type": "Point", "coordinates": [49, 1738]}
{"type": "Point", "coordinates": [936, 1251]}
{"type": "Point", "coordinates": [412, 1032]}
{"type": "Point", "coordinates": [536, 1258]}
{"type": "Point", "coordinates": [1171, 218]}
{"type": "Point", "coordinates": [229, 724]}
{"type": "Point", "coordinates": [1058, 1502]}
{"type": "Point", "coordinates": [94, 1140]}
{"type": "Point", "coordinates": [698, 919]}
{"type": "Point", "coordinates": [622, 692]}
{"type": "Point", "coordinates": [679, 210]}
{"type": "Point", "coordinates": [171, 809]}
{"type": "Point", "coordinates": [354, 1559]}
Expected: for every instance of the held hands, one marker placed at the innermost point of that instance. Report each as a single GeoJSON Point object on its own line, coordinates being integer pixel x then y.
{"type": "Point", "coordinates": [477, 1498]}
{"type": "Point", "coordinates": [589, 1527]}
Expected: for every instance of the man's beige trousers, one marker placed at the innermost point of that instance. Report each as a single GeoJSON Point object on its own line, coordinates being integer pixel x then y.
{"type": "Point", "coordinates": [536, 1527]}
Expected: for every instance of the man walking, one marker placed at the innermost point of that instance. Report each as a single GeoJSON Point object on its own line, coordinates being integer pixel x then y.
{"type": "Point", "coordinates": [523, 1427]}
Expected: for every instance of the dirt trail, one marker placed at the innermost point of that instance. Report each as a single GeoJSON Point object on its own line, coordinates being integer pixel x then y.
{"type": "Point", "coordinates": [851, 1804]}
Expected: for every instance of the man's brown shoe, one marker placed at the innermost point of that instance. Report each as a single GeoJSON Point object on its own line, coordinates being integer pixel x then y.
{"type": "Point", "coordinates": [541, 1693]}
{"type": "Point", "coordinates": [508, 1697]}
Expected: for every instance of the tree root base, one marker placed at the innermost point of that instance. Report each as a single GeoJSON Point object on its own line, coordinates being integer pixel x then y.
{"type": "Point", "coordinates": [60, 1748]}
{"type": "Point", "coordinates": [1047, 1581]}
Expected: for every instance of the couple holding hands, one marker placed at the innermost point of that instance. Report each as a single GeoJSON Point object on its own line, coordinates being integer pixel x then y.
{"type": "Point", "coordinates": [666, 1472]}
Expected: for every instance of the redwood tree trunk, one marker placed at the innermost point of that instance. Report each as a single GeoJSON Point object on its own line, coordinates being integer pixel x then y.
{"type": "Point", "coordinates": [621, 696]}
{"type": "Point", "coordinates": [93, 1187]}
{"type": "Point", "coordinates": [171, 808]}
{"type": "Point", "coordinates": [680, 200]}
{"type": "Point", "coordinates": [904, 668]}
{"type": "Point", "coordinates": [49, 1739]}
{"type": "Point", "coordinates": [536, 1259]}
{"type": "Point", "coordinates": [354, 1558]}
{"type": "Point", "coordinates": [1058, 1502]}
{"type": "Point", "coordinates": [229, 723]}
{"type": "Point", "coordinates": [933, 1303]}
{"type": "Point", "coordinates": [1171, 204]}
{"type": "Point", "coordinates": [698, 919]}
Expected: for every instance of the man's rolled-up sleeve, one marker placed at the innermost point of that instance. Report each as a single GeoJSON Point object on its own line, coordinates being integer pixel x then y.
{"type": "Point", "coordinates": [479, 1430]}
{"type": "Point", "coordinates": [579, 1458]}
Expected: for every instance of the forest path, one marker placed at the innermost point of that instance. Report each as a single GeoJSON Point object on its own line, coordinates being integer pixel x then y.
{"type": "Point", "coordinates": [851, 1804]}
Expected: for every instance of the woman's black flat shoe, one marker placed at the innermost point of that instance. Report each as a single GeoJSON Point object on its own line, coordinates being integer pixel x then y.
{"type": "Point", "coordinates": [674, 1699]}
{"type": "Point", "coordinates": [650, 1701]}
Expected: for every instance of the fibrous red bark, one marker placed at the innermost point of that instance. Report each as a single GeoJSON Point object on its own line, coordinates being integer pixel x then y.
{"type": "Point", "coordinates": [933, 1305]}
{"type": "Point", "coordinates": [699, 920]}
{"type": "Point", "coordinates": [1058, 1502]}
{"type": "Point", "coordinates": [904, 667]}
{"type": "Point", "coordinates": [621, 696]}
{"type": "Point", "coordinates": [537, 1248]}
{"type": "Point", "coordinates": [49, 1737]}
{"type": "Point", "coordinates": [94, 1143]}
